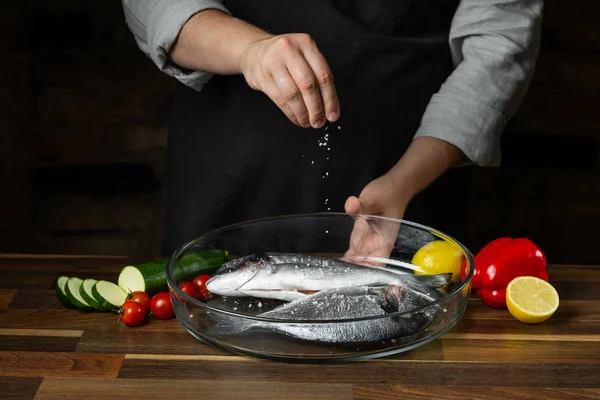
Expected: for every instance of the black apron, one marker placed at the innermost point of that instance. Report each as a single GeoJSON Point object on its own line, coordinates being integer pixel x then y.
{"type": "Point", "coordinates": [234, 156]}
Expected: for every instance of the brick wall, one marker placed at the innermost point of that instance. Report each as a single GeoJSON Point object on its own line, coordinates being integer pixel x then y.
{"type": "Point", "coordinates": [83, 127]}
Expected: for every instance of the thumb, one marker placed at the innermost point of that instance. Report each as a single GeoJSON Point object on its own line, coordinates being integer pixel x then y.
{"type": "Point", "coordinates": [353, 205]}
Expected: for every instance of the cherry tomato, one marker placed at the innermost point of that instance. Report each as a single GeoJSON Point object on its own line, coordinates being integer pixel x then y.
{"type": "Point", "coordinates": [141, 297]}
{"type": "Point", "coordinates": [189, 288]}
{"type": "Point", "coordinates": [161, 305]}
{"type": "Point", "coordinates": [200, 282]}
{"type": "Point", "coordinates": [203, 295]}
{"type": "Point", "coordinates": [132, 313]}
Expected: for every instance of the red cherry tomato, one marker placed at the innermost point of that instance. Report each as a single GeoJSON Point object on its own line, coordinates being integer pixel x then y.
{"type": "Point", "coordinates": [141, 297]}
{"type": "Point", "coordinates": [132, 313]}
{"type": "Point", "coordinates": [200, 282]}
{"type": "Point", "coordinates": [203, 295]}
{"type": "Point", "coordinates": [161, 306]}
{"type": "Point", "coordinates": [189, 288]}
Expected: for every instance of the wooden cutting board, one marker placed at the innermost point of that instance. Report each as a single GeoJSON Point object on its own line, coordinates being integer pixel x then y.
{"type": "Point", "coordinates": [48, 351]}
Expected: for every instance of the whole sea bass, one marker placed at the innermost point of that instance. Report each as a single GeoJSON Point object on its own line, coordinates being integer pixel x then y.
{"type": "Point", "coordinates": [288, 277]}
{"type": "Point", "coordinates": [345, 303]}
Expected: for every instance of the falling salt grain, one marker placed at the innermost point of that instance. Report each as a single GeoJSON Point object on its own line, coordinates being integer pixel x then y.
{"type": "Point", "coordinates": [326, 231]}
{"type": "Point", "coordinates": [445, 310]}
{"type": "Point", "coordinates": [259, 304]}
{"type": "Point", "coordinates": [234, 308]}
{"type": "Point", "coordinates": [312, 162]}
{"type": "Point", "coordinates": [339, 127]}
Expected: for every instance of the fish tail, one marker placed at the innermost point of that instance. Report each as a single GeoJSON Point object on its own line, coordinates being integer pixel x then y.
{"type": "Point", "coordinates": [227, 326]}
{"type": "Point", "coordinates": [436, 281]}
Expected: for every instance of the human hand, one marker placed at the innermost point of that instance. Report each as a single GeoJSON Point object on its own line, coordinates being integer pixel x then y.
{"type": "Point", "coordinates": [372, 238]}
{"type": "Point", "coordinates": [425, 159]}
{"type": "Point", "coordinates": [291, 70]}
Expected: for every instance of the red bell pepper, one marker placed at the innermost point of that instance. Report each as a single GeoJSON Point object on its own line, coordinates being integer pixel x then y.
{"type": "Point", "coordinates": [499, 262]}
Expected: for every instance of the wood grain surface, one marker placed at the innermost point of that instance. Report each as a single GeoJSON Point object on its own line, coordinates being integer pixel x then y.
{"type": "Point", "coordinates": [48, 351]}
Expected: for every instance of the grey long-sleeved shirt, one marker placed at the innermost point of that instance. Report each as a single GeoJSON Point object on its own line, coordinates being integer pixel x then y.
{"type": "Point", "coordinates": [494, 46]}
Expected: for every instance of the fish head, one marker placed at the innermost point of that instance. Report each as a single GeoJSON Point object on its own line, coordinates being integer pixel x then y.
{"type": "Point", "coordinates": [392, 297]}
{"type": "Point", "coordinates": [234, 274]}
{"type": "Point", "coordinates": [404, 298]}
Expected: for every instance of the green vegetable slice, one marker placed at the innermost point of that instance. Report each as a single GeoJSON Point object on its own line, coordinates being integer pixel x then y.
{"type": "Point", "coordinates": [109, 295]}
{"type": "Point", "coordinates": [73, 291]}
{"type": "Point", "coordinates": [87, 295]}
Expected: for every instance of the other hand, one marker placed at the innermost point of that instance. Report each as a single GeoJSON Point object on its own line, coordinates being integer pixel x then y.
{"type": "Point", "coordinates": [291, 70]}
{"type": "Point", "coordinates": [375, 238]}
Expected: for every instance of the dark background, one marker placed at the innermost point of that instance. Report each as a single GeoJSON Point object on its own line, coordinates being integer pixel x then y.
{"type": "Point", "coordinates": [83, 135]}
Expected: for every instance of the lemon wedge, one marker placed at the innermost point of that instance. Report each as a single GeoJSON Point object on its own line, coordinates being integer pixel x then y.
{"type": "Point", "coordinates": [531, 300]}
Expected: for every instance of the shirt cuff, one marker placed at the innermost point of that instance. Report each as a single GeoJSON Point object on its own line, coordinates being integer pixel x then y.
{"type": "Point", "coordinates": [164, 24]}
{"type": "Point", "coordinates": [466, 123]}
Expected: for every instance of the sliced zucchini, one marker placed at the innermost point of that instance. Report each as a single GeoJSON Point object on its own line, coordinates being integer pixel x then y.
{"type": "Point", "coordinates": [131, 278]}
{"type": "Point", "coordinates": [109, 295]}
{"type": "Point", "coordinates": [86, 294]}
{"type": "Point", "coordinates": [61, 291]}
{"type": "Point", "coordinates": [73, 290]}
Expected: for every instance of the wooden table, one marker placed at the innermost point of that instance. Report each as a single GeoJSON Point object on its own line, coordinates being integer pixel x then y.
{"type": "Point", "coordinates": [48, 351]}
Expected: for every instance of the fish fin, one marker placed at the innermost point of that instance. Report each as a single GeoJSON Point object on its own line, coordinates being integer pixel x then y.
{"type": "Point", "coordinates": [436, 281]}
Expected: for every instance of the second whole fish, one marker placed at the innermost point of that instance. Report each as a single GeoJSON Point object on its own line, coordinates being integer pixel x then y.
{"type": "Point", "coordinates": [344, 303]}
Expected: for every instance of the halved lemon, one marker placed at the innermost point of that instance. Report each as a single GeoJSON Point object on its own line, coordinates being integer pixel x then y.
{"type": "Point", "coordinates": [531, 300]}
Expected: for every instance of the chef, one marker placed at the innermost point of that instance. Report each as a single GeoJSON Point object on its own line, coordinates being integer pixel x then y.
{"type": "Point", "coordinates": [370, 106]}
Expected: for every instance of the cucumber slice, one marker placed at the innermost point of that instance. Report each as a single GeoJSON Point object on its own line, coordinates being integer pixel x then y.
{"type": "Point", "coordinates": [73, 289]}
{"type": "Point", "coordinates": [109, 295]}
{"type": "Point", "coordinates": [131, 279]}
{"type": "Point", "coordinates": [61, 291]}
{"type": "Point", "coordinates": [151, 277]}
{"type": "Point", "coordinates": [86, 294]}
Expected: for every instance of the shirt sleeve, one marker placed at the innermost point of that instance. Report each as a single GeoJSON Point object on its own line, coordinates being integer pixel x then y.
{"type": "Point", "coordinates": [155, 25]}
{"type": "Point", "coordinates": [494, 45]}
